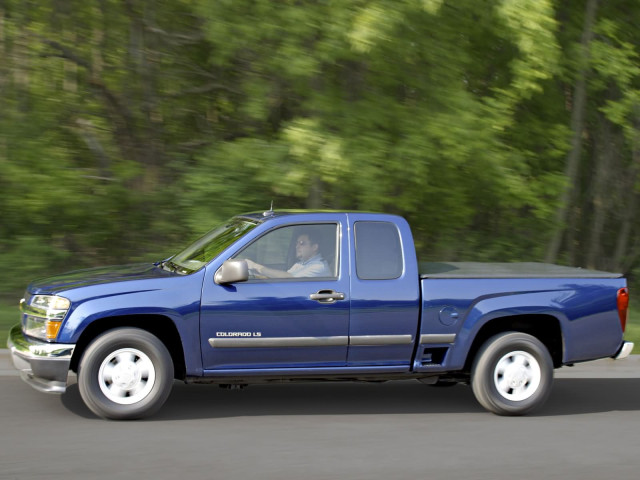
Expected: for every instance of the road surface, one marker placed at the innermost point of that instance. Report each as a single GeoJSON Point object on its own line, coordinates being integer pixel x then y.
{"type": "Point", "coordinates": [589, 429]}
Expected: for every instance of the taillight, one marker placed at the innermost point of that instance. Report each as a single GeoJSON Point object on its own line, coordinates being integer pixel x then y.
{"type": "Point", "coordinates": [623, 306]}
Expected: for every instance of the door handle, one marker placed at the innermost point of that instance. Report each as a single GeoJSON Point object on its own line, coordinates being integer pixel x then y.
{"type": "Point", "coordinates": [326, 296]}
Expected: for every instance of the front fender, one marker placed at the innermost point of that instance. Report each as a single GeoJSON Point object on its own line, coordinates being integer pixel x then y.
{"type": "Point", "coordinates": [177, 299]}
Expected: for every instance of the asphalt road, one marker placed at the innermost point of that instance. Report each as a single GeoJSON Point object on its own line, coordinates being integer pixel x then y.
{"type": "Point", "coordinates": [589, 429]}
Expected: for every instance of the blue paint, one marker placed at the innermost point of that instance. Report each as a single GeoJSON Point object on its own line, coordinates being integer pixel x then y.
{"type": "Point", "coordinates": [390, 309]}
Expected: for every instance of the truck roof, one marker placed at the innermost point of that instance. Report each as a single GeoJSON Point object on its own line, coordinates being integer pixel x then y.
{"type": "Point", "coordinates": [261, 216]}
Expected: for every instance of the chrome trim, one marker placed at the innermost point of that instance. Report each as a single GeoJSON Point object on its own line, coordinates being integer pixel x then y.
{"type": "Point", "coordinates": [44, 366]}
{"type": "Point", "coordinates": [275, 342]}
{"type": "Point", "coordinates": [327, 296]}
{"type": "Point", "coordinates": [28, 309]}
{"type": "Point", "coordinates": [438, 338]}
{"type": "Point", "coordinates": [371, 340]}
{"type": "Point", "coordinates": [45, 313]}
{"type": "Point", "coordinates": [625, 351]}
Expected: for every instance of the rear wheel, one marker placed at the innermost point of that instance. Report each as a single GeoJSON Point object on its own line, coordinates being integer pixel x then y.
{"type": "Point", "coordinates": [512, 374]}
{"type": "Point", "coordinates": [125, 373]}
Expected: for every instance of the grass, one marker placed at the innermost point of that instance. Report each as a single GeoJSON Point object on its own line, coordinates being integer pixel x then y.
{"type": "Point", "coordinates": [10, 315]}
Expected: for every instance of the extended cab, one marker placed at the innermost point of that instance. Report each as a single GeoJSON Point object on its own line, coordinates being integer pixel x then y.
{"type": "Point", "coordinates": [294, 296]}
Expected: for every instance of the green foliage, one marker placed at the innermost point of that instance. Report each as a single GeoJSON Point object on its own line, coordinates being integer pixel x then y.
{"type": "Point", "coordinates": [128, 129]}
{"type": "Point", "coordinates": [532, 25]}
{"type": "Point", "coordinates": [9, 316]}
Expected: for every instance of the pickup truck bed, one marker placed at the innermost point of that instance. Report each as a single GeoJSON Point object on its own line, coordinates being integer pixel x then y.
{"type": "Point", "coordinates": [507, 270]}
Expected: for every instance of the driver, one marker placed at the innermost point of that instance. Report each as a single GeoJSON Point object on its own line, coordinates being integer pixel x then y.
{"type": "Point", "coordinates": [310, 262]}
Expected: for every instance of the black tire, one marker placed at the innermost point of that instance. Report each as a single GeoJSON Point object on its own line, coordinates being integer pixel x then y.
{"type": "Point", "coordinates": [125, 373]}
{"type": "Point", "coordinates": [512, 374]}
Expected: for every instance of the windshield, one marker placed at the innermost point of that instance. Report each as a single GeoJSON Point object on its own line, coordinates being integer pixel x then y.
{"type": "Point", "coordinates": [205, 249]}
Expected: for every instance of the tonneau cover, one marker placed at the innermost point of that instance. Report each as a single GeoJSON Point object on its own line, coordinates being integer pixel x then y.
{"type": "Point", "coordinates": [507, 270]}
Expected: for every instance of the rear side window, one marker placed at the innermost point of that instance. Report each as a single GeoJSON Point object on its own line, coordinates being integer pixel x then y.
{"type": "Point", "coordinates": [378, 251]}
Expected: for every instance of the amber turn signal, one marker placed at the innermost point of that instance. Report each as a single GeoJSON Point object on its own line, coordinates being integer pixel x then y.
{"type": "Point", "coordinates": [52, 329]}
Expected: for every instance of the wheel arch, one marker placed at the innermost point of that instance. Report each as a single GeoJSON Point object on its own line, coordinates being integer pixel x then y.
{"type": "Point", "coordinates": [545, 328]}
{"type": "Point", "coordinates": [158, 325]}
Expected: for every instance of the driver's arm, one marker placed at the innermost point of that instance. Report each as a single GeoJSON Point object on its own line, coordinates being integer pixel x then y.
{"type": "Point", "coordinates": [266, 271]}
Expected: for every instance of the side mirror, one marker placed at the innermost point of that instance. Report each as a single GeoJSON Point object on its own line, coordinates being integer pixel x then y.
{"type": "Point", "coordinates": [232, 271]}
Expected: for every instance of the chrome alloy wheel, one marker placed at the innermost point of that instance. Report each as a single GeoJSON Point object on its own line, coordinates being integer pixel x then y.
{"type": "Point", "coordinates": [517, 376]}
{"type": "Point", "coordinates": [126, 376]}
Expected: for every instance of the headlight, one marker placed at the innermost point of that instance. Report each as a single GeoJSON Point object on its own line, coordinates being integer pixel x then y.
{"type": "Point", "coordinates": [43, 315]}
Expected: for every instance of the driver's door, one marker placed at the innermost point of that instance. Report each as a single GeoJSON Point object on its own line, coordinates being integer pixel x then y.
{"type": "Point", "coordinates": [280, 323]}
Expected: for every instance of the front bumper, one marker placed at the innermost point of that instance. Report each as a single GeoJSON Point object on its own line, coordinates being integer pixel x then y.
{"type": "Point", "coordinates": [44, 366]}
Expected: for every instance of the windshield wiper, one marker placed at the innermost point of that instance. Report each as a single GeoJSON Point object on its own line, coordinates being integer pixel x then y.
{"type": "Point", "coordinates": [175, 267]}
{"type": "Point", "coordinates": [169, 266]}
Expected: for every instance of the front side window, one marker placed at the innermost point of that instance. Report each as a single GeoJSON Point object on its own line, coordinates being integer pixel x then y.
{"type": "Point", "coordinates": [378, 251]}
{"type": "Point", "coordinates": [305, 251]}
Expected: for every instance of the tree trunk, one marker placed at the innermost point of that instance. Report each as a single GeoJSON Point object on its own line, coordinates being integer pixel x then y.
{"type": "Point", "coordinates": [577, 126]}
{"type": "Point", "coordinates": [316, 190]}
{"type": "Point", "coordinates": [3, 54]}
{"type": "Point", "coordinates": [603, 157]}
{"type": "Point", "coordinates": [143, 92]}
{"type": "Point", "coordinates": [21, 67]}
{"type": "Point", "coordinates": [98, 44]}
{"type": "Point", "coordinates": [622, 259]}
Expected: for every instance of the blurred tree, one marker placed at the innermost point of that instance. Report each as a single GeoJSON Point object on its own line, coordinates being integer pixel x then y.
{"type": "Point", "coordinates": [578, 109]}
{"type": "Point", "coordinates": [103, 107]}
{"type": "Point", "coordinates": [503, 129]}
{"type": "Point", "coordinates": [617, 161]}
{"type": "Point", "coordinates": [384, 105]}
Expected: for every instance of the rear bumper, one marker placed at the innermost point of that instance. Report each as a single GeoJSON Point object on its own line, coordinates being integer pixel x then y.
{"type": "Point", "coordinates": [44, 366]}
{"type": "Point", "coordinates": [624, 352]}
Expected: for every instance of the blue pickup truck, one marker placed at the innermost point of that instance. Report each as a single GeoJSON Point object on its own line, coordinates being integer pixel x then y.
{"type": "Point", "coordinates": [298, 296]}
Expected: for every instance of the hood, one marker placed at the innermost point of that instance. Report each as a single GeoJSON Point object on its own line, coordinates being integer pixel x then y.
{"type": "Point", "coordinates": [97, 276]}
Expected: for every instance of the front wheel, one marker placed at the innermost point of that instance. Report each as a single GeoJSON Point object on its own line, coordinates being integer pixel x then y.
{"type": "Point", "coordinates": [512, 374]}
{"type": "Point", "coordinates": [125, 373]}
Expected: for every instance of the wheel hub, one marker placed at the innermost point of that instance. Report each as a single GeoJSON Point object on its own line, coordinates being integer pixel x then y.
{"type": "Point", "coordinates": [126, 376]}
{"type": "Point", "coordinates": [517, 376]}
